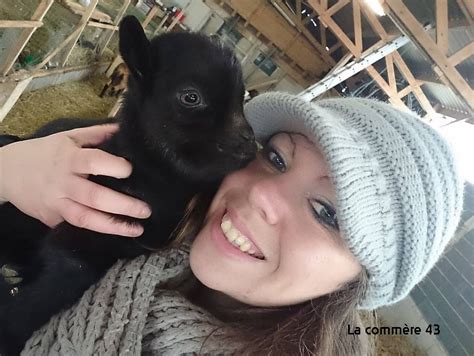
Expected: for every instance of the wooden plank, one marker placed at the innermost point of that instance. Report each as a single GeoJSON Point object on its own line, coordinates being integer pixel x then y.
{"type": "Point", "coordinates": [442, 25]}
{"type": "Point", "coordinates": [469, 5]}
{"type": "Point", "coordinates": [422, 99]}
{"type": "Point", "coordinates": [151, 14]}
{"type": "Point", "coordinates": [405, 91]}
{"type": "Point", "coordinates": [18, 89]}
{"type": "Point", "coordinates": [102, 25]}
{"type": "Point", "coordinates": [319, 47]}
{"type": "Point", "coordinates": [394, 99]}
{"type": "Point", "coordinates": [374, 21]}
{"type": "Point", "coordinates": [106, 37]}
{"type": "Point", "coordinates": [335, 47]}
{"type": "Point", "coordinates": [58, 49]}
{"type": "Point", "coordinates": [20, 24]}
{"type": "Point", "coordinates": [325, 17]}
{"type": "Point", "coordinates": [298, 11]}
{"type": "Point", "coordinates": [275, 28]}
{"type": "Point", "coordinates": [417, 33]}
{"type": "Point", "coordinates": [462, 54]}
{"type": "Point", "coordinates": [465, 11]}
{"type": "Point", "coordinates": [391, 73]}
{"type": "Point", "coordinates": [79, 28]}
{"type": "Point", "coordinates": [357, 25]}
{"type": "Point", "coordinates": [336, 7]}
{"type": "Point", "coordinates": [24, 37]}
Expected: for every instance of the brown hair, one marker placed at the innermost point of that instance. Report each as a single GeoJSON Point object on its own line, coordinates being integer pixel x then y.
{"type": "Point", "coordinates": [315, 327]}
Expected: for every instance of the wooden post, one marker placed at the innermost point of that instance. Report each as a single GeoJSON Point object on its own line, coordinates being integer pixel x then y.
{"type": "Point", "coordinates": [299, 25]}
{"type": "Point", "coordinates": [78, 31]}
{"type": "Point", "coordinates": [57, 49]}
{"type": "Point", "coordinates": [402, 15]}
{"type": "Point", "coordinates": [24, 37]}
{"type": "Point", "coordinates": [16, 91]}
{"type": "Point", "coordinates": [20, 24]}
{"type": "Point", "coordinates": [107, 36]}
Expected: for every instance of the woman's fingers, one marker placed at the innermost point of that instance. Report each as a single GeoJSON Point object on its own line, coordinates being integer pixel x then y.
{"type": "Point", "coordinates": [97, 162]}
{"type": "Point", "coordinates": [101, 198]}
{"type": "Point", "coordinates": [87, 218]}
{"type": "Point", "coordinates": [93, 135]}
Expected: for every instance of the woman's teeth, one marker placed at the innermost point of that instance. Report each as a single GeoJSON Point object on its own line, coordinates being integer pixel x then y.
{"type": "Point", "coordinates": [236, 238]}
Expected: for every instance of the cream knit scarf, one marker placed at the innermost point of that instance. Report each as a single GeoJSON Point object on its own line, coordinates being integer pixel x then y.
{"type": "Point", "coordinates": [127, 313]}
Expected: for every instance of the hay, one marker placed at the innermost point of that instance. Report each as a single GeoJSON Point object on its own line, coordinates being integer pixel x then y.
{"type": "Point", "coordinates": [73, 99]}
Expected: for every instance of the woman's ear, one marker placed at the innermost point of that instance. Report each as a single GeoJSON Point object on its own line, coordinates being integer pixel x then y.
{"type": "Point", "coordinates": [134, 47]}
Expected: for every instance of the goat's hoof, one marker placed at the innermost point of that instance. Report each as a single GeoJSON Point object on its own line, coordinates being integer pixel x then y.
{"type": "Point", "coordinates": [10, 274]}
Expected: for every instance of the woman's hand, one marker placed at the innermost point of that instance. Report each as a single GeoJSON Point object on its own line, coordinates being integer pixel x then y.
{"type": "Point", "coordinates": [46, 178]}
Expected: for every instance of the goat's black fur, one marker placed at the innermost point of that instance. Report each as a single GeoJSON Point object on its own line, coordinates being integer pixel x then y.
{"type": "Point", "coordinates": [177, 148]}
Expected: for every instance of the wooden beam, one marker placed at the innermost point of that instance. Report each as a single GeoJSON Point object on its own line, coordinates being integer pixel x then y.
{"type": "Point", "coordinates": [394, 99]}
{"type": "Point", "coordinates": [442, 25]}
{"type": "Point", "coordinates": [78, 31]}
{"type": "Point", "coordinates": [357, 25]}
{"type": "Point", "coordinates": [17, 90]}
{"type": "Point", "coordinates": [336, 7]}
{"type": "Point", "coordinates": [335, 47]}
{"type": "Point", "coordinates": [58, 49]}
{"type": "Point", "coordinates": [391, 73]}
{"type": "Point", "coordinates": [374, 22]}
{"type": "Point", "coordinates": [107, 36]}
{"type": "Point", "coordinates": [420, 95]}
{"type": "Point", "coordinates": [405, 91]}
{"type": "Point", "coordinates": [20, 24]}
{"type": "Point", "coordinates": [24, 37]}
{"type": "Point", "coordinates": [325, 18]}
{"type": "Point", "coordinates": [413, 85]}
{"type": "Point", "coordinates": [465, 11]}
{"type": "Point", "coordinates": [320, 49]}
{"type": "Point", "coordinates": [462, 54]}
{"type": "Point", "coordinates": [298, 10]}
{"type": "Point", "coordinates": [403, 16]}
{"type": "Point", "coordinates": [151, 14]}
{"type": "Point", "coordinates": [102, 25]}
{"type": "Point", "coordinates": [467, 7]}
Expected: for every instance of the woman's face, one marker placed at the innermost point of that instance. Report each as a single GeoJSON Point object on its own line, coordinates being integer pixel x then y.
{"type": "Point", "coordinates": [280, 210]}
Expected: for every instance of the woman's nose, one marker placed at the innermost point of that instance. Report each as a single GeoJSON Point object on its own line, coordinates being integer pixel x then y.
{"type": "Point", "coordinates": [266, 195]}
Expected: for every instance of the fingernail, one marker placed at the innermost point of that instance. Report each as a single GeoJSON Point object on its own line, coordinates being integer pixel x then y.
{"type": "Point", "coordinates": [137, 231]}
{"type": "Point", "coordinates": [145, 212]}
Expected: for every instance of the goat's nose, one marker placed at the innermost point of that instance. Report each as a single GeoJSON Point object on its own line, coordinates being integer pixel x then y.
{"type": "Point", "coordinates": [247, 134]}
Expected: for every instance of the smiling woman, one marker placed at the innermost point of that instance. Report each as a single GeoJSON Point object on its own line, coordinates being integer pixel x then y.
{"type": "Point", "coordinates": [346, 208]}
{"type": "Point", "coordinates": [272, 206]}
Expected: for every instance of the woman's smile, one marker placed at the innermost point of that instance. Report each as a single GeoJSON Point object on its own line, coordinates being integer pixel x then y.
{"type": "Point", "coordinates": [270, 237]}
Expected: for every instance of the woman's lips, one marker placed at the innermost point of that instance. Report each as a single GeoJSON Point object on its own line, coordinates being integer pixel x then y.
{"type": "Point", "coordinates": [225, 246]}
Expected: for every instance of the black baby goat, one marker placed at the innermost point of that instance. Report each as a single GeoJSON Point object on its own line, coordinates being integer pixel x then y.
{"type": "Point", "coordinates": [181, 127]}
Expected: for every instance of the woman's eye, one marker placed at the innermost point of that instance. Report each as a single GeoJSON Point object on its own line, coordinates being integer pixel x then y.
{"type": "Point", "coordinates": [190, 99]}
{"type": "Point", "coordinates": [274, 158]}
{"type": "Point", "coordinates": [324, 213]}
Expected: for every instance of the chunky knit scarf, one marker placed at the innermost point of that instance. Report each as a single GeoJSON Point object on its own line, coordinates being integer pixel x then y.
{"type": "Point", "coordinates": [129, 313]}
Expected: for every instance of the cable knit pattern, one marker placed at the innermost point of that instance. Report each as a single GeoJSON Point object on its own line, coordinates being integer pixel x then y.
{"type": "Point", "coordinates": [398, 189]}
{"type": "Point", "coordinates": [127, 313]}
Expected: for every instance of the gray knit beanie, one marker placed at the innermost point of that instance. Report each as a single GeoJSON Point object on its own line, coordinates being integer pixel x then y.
{"type": "Point", "coordinates": [399, 194]}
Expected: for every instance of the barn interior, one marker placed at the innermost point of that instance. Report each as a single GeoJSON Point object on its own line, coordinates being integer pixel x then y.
{"type": "Point", "coordinates": [57, 55]}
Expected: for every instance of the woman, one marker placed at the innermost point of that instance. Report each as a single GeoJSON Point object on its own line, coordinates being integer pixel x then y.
{"type": "Point", "coordinates": [348, 206]}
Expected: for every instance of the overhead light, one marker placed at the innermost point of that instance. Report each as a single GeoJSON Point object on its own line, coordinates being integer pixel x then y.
{"type": "Point", "coordinates": [314, 23]}
{"type": "Point", "coordinates": [303, 11]}
{"type": "Point", "coordinates": [375, 6]}
{"type": "Point", "coordinates": [327, 48]}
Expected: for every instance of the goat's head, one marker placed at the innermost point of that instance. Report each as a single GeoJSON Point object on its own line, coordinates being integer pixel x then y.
{"type": "Point", "coordinates": [189, 91]}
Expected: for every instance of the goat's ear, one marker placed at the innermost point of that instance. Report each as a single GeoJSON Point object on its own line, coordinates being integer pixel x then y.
{"type": "Point", "coordinates": [134, 47]}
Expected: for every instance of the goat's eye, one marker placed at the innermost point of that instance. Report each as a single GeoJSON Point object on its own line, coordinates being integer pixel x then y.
{"type": "Point", "coordinates": [190, 99]}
